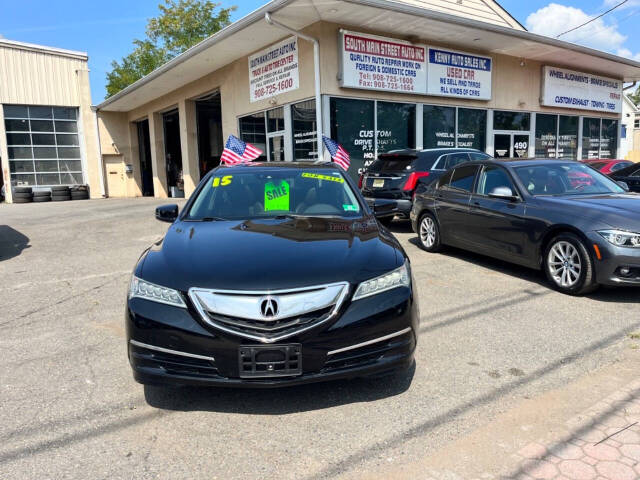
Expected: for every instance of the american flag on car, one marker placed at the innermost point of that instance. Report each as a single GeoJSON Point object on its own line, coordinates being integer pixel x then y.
{"type": "Point", "coordinates": [236, 151]}
{"type": "Point", "coordinates": [338, 154]}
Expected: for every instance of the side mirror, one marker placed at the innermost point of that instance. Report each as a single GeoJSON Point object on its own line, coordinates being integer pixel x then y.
{"type": "Point", "coordinates": [167, 213]}
{"type": "Point", "coordinates": [382, 207]}
{"type": "Point", "coordinates": [624, 185]}
{"type": "Point", "coordinates": [505, 193]}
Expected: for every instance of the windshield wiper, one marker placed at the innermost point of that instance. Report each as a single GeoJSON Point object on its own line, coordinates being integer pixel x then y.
{"type": "Point", "coordinates": [211, 219]}
{"type": "Point", "coordinates": [286, 216]}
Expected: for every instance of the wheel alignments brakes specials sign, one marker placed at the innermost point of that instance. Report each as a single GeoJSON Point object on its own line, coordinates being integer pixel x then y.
{"type": "Point", "coordinates": [378, 63]}
{"type": "Point", "coordinates": [274, 70]}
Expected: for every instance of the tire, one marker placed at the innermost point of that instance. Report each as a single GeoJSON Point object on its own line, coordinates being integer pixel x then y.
{"type": "Point", "coordinates": [22, 189]}
{"type": "Point", "coordinates": [22, 195]}
{"type": "Point", "coordinates": [79, 195]}
{"type": "Point", "coordinates": [79, 188]}
{"type": "Point", "coordinates": [429, 233]}
{"type": "Point", "coordinates": [60, 198]}
{"type": "Point", "coordinates": [60, 189]}
{"type": "Point", "coordinates": [42, 193]}
{"type": "Point", "coordinates": [22, 200]}
{"type": "Point", "coordinates": [568, 266]}
{"type": "Point", "coordinates": [41, 199]}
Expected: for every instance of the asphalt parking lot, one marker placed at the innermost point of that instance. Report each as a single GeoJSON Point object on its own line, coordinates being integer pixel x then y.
{"type": "Point", "coordinates": [491, 335]}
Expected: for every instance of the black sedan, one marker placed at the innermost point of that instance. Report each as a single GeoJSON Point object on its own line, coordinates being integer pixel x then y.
{"type": "Point", "coordinates": [273, 274]}
{"type": "Point", "coordinates": [579, 226]}
{"type": "Point", "coordinates": [629, 175]}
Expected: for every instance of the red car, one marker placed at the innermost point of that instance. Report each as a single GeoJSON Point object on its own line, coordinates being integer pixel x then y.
{"type": "Point", "coordinates": [607, 166]}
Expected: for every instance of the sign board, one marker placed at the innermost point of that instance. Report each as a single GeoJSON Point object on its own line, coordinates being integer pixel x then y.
{"type": "Point", "coordinates": [458, 74]}
{"type": "Point", "coordinates": [274, 70]}
{"type": "Point", "coordinates": [378, 63]}
{"type": "Point", "coordinates": [570, 89]}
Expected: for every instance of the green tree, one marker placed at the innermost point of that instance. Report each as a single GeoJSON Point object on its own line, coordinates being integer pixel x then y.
{"type": "Point", "coordinates": [180, 25]}
{"type": "Point", "coordinates": [635, 97]}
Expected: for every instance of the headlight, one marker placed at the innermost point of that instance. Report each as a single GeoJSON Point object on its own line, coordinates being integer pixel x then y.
{"type": "Point", "coordinates": [621, 239]}
{"type": "Point", "coordinates": [149, 291]}
{"type": "Point", "coordinates": [396, 278]}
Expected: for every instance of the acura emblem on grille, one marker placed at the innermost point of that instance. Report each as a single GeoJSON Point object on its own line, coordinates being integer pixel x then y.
{"type": "Point", "coordinates": [268, 307]}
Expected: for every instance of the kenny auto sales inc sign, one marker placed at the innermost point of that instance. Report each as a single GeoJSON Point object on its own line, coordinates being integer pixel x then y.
{"type": "Point", "coordinates": [379, 63]}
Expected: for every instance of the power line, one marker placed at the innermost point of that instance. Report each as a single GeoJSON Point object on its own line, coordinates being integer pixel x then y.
{"type": "Point", "coordinates": [608, 27]}
{"type": "Point", "coordinates": [593, 19]}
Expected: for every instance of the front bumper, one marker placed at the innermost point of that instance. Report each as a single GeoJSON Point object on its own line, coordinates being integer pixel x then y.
{"type": "Point", "coordinates": [372, 336]}
{"type": "Point", "coordinates": [612, 260]}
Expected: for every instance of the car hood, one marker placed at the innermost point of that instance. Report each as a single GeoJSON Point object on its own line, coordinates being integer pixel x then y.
{"type": "Point", "coordinates": [270, 254]}
{"type": "Point", "coordinates": [615, 210]}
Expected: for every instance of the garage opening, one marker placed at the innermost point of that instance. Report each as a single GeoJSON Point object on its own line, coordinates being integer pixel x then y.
{"type": "Point", "coordinates": [173, 154]}
{"type": "Point", "coordinates": [209, 127]}
{"type": "Point", "coordinates": [144, 153]}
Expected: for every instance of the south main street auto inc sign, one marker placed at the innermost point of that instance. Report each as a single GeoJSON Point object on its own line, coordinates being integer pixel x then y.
{"type": "Point", "coordinates": [569, 89]}
{"type": "Point", "coordinates": [377, 63]}
{"type": "Point", "coordinates": [274, 70]}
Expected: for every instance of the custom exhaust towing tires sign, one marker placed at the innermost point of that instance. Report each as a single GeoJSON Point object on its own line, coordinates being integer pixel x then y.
{"type": "Point", "coordinates": [274, 70]}
{"type": "Point", "coordinates": [583, 91]}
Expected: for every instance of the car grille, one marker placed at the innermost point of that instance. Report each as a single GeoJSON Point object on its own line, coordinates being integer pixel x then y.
{"type": "Point", "coordinates": [368, 354]}
{"type": "Point", "coordinates": [173, 363]}
{"type": "Point", "coordinates": [297, 310]}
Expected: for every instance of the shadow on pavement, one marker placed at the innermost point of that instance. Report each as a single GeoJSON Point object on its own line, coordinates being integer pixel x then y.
{"type": "Point", "coordinates": [12, 242]}
{"type": "Point", "coordinates": [278, 401]}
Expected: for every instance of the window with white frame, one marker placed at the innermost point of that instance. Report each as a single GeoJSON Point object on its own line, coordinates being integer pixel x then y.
{"type": "Point", "coordinates": [43, 145]}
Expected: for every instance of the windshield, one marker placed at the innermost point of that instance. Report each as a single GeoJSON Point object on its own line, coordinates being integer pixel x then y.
{"type": "Point", "coordinates": [274, 192]}
{"type": "Point", "coordinates": [565, 179]}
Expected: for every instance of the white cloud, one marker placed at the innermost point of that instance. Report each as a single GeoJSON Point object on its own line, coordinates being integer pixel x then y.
{"type": "Point", "coordinates": [629, 4]}
{"type": "Point", "coordinates": [555, 19]}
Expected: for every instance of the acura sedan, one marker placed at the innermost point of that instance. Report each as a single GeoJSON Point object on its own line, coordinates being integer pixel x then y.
{"type": "Point", "coordinates": [272, 274]}
{"type": "Point", "coordinates": [576, 224]}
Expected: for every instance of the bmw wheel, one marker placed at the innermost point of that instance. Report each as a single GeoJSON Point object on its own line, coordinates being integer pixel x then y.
{"type": "Point", "coordinates": [568, 265]}
{"type": "Point", "coordinates": [429, 233]}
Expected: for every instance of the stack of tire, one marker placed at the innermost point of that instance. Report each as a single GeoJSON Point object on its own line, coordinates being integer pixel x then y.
{"type": "Point", "coordinates": [60, 193]}
{"type": "Point", "coordinates": [22, 195]}
{"type": "Point", "coordinates": [80, 192]}
{"type": "Point", "coordinates": [42, 196]}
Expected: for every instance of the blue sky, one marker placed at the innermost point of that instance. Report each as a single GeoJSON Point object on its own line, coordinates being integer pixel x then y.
{"type": "Point", "coordinates": [105, 29]}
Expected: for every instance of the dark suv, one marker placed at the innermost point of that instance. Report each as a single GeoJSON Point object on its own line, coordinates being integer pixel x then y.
{"type": "Point", "coordinates": [395, 175]}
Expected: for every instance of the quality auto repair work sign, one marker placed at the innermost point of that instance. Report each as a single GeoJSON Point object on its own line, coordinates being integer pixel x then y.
{"type": "Point", "coordinates": [377, 63]}
{"type": "Point", "coordinates": [274, 70]}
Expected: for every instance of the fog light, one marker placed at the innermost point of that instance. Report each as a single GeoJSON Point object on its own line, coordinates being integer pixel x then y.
{"type": "Point", "coordinates": [625, 271]}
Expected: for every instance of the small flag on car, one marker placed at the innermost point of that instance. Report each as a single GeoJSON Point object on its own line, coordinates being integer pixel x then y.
{"type": "Point", "coordinates": [338, 154]}
{"type": "Point", "coordinates": [236, 151]}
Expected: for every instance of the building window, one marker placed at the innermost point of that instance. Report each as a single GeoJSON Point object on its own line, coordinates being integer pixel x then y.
{"type": "Point", "coordinates": [590, 138]}
{"type": "Point", "coordinates": [519, 121]}
{"type": "Point", "coordinates": [353, 126]}
{"type": "Point", "coordinates": [609, 139]}
{"type": "Point", "coordinates": [472, 128]}
{"type": "Point", "coordinates": [43, 145]}
{"type": "Point", "coordinates": [438, 126]}
{"type": "Point", "coordinates": [636, 123]}
{"type": "Point", "coordinates": [546, 135]}
{"type": "Point", "coordinates": [303, 121]}
{"type": "Point", "coordinates": [568, 138]}
{"type": "Point", "coordinates": [253, 130]}
{"type": "Point", "coordinates": [396, 126]}
{"type": "Point", "coordinates": [275, 120]}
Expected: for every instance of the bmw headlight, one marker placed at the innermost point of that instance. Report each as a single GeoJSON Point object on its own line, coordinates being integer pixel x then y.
{"type": "Point", "coordinates": [149, 291]}
{"type": "Point", "coordinates": [396, 278]}
{"type": "Point", "coordinates": [620, 238]}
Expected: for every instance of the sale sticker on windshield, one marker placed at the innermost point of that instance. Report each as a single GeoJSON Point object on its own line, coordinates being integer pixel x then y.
{"type": "Point", "coordinates": [276, 196]}
{"type": "Point", "coordinates": [319, 176]}
{"type": "Point", "coordinates": [221, 181]}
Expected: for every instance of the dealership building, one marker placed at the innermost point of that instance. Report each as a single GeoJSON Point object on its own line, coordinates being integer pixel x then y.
{"type": "Point", "coordinates": [374, 75]}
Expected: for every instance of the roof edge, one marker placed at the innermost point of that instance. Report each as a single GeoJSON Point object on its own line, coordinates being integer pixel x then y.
{"type": "Point", "coordinates": [43, 48]}
{"type": "Point", "coordinates": [244, 22]}
{"type": "Point", "coordinates": [467, 22]}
